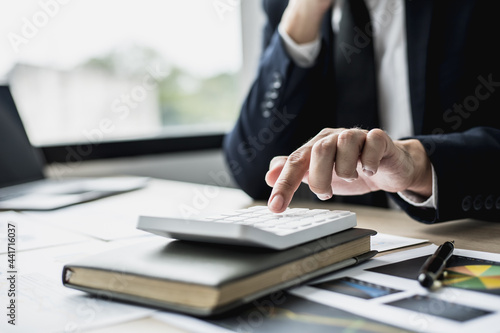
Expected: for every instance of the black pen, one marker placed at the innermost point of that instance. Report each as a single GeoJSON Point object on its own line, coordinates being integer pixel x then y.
{"type": "Point", "coordinates": [434, 266]}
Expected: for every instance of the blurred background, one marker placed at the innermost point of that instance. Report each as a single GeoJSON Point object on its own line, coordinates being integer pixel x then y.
{"type": "Point", "coordinates": [142, 87]}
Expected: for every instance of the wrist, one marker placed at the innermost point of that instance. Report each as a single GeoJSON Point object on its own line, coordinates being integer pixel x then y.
{"type": "Point", "coordinates": [302, 21]}
{"type": "Point", "coordinates": [421, 180]}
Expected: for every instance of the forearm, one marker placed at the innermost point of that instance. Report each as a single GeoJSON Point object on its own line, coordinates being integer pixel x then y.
{"type": "Point", "coordinates": [272, 121]}
{"type": "Point", "coordinates": [302, 19]}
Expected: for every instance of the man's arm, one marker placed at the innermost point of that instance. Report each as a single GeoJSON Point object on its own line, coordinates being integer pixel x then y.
{"type": "Point", "coordinates": [272, 121]}
{"type": "Point", "coordinates": [355, 161]}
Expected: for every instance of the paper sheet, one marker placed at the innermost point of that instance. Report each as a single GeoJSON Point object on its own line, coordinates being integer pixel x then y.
{"type": "Point", "coordinates": [385, 242]}
{"type": "Point", "coordinates": [188, 323]}
{"type": "Point", "coordinates": [287, 314]}
{"type": "Point", "coordinates": [384, 294]}
{"type": "Point", "coordinates": [31, 234]}
{"type": "Point", "coordinates": [43, 304]}
{"type": "Point", "coordinates": [105, 224]}
{"type": "Point", "coordinates": [116, 217]}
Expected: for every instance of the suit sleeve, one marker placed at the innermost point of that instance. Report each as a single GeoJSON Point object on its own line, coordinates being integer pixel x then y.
{"type": "Point", "coordinates": [467, 176]}
{"type": "Point", "coordinates": [276, 117]}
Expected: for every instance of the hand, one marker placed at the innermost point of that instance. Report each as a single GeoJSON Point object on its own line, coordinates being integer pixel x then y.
{"type": "Point", "coordinates": [302, 19]}
{"type": "Point", "coordinates": [350, 162]}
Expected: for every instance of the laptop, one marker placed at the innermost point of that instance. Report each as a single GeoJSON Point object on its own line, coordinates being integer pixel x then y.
{"type": "Point", "coordinates": [23, 184]}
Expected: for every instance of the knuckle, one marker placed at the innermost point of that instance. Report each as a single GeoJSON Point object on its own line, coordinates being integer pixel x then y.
{"type": "Point", "coordinates": [377, 134]}
{"type": "Point", "coordinates": [325, 131]}
{"type": "Point", "coordinates": [297, 158]}
{"type": "Point", "coordinates": [347, 136]}
{"type": "Point", "coordinates": [322, 147]}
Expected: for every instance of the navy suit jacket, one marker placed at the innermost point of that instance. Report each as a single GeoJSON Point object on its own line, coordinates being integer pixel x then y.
{"type": "Point", "coordinates": [454, 79]}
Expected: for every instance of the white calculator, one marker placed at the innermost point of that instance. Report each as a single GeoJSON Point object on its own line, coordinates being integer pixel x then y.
{"type": "Point", "coordinates": [255, 226]}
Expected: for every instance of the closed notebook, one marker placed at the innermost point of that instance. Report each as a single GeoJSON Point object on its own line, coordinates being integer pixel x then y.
{"type": "Point", "coordinates": [205, 279]}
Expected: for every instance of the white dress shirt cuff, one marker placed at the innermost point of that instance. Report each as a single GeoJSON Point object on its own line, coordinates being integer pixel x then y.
{"type": "Point", "coordinates": [419, 201]}
{"type": "Point", "coordinates": [304, 55]}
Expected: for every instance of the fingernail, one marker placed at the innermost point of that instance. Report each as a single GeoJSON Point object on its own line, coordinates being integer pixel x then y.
{"type": "Point", "coordinates": [368, 172]}
{"type": "Point", "coordinates": [324, 196]}
{"type": "Point", "coordinates": [276, 203]}
{"type": "Point", "coordinates": [349, 180]}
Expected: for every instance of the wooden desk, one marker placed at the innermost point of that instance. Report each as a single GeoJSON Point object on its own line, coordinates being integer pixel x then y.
{"type": "Point", "coordinates": [468, 234]}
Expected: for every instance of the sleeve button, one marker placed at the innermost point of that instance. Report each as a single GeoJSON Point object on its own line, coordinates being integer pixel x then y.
{"type": "Point", "coordinates": [478, 202]}
{"type": "Point", "coordinates": [276, 84]}
{"type": "Point", "coordinates": [489, 202]}
{"type": "Point", "coordinates": [273, 94]}
{"type": "Point", "coordinates": [467, 203]}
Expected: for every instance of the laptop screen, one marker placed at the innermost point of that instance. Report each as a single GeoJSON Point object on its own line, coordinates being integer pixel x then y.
{"type": "Point", "coordinates": [19, 161]}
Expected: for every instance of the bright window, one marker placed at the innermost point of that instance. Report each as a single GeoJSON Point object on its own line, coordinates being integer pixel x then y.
{"type": "Point", "coordinates": [88, 70]}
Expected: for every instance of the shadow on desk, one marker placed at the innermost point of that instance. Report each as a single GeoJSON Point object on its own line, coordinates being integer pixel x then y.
{"type": "Point", "coordinates": [467, 234]}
